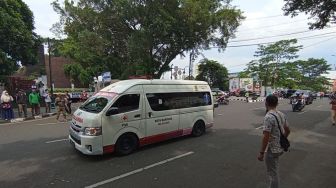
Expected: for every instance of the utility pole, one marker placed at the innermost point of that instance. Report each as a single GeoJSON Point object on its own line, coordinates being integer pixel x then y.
{"type": "Point", "coordinates": [191, 59]}
{"type": "Point", "coordinates": [50, 76]}
{"type": "Point", "coordinates": [171, 71]}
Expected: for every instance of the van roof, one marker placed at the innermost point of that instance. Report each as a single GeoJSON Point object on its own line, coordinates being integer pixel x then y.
{"type": "Point", "coordinates": [123, 85]}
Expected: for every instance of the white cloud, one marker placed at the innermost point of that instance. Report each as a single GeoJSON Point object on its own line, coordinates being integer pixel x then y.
{"type": "Point", "coordinates": [44, 16]}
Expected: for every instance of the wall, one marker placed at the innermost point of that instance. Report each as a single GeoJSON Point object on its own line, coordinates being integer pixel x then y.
{"type": "Point", "coordinates": [57, 72]}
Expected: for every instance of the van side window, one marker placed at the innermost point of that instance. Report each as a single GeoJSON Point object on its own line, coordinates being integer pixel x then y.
{"type": "Point", "coordinates": [170, 101]}
{"type": "Point", "coordinates": [127, 103]}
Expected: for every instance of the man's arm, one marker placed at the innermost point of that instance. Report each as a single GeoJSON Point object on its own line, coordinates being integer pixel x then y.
{"type": "Point", "coordinates": [264, 142]}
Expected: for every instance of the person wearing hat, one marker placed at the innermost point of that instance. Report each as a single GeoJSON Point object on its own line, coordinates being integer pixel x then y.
{"type": "Point", "coordinates": [6, 105]}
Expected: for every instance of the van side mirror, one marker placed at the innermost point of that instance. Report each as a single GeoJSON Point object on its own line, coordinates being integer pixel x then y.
{"type": "Point", "coordinates": [112, 111]}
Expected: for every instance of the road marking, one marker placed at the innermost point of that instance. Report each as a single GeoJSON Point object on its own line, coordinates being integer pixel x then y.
{"type": "Point", "coordinates": [319, 106]}
{"type": "Point", "coordinates": [260, 127]}
{"type": "Point", "coordinates": [57, 141]}
{"type": "Point", "coordinates": [138, 170]}
{"type": "Point", "coordinates": [51, 123]}
{"type": "Point", "coordinates": [219, 114]}
{"type": "Point", "coordinates": [28, 121]}
{"type": "Point", "coordinates": [258, 108]}
{"type": "Point", "coordinates": [303, 112]}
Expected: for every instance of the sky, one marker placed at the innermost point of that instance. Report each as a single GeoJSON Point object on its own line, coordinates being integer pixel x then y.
{"type": "Point", "coordinates": [264, 23]}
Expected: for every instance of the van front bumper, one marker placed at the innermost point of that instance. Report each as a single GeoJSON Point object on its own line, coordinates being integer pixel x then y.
{"type": "Point", "coordinates": [88, 145]}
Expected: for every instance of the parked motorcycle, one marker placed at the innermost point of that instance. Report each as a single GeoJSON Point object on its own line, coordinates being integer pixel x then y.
{"type": "Point", "coordinates": [223, 100]}
{"type": "Point", "coordinates": [297, 104]}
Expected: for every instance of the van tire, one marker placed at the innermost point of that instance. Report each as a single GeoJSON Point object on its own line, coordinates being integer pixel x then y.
{"type": "Point", "coordinates": [126, 144]}
{"type": "Point", "coordinates": [198, 129]}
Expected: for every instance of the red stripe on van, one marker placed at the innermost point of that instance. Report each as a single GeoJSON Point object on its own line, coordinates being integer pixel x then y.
{"type": "Point", "coordinates": [108, 149]}
{"type": "Point", "coordinates": [160, 137]}
{"type": "Point", "coordinates": [187, 131]}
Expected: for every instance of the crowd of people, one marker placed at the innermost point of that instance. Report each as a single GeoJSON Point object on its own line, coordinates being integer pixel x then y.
{"type": "Point", "coordinates": [34, 100]}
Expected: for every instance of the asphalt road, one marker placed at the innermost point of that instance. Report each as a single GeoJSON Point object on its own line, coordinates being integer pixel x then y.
{"type": "Point", "coordinates": [36, 154]}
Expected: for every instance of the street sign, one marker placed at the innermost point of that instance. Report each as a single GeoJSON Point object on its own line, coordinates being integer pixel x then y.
{"type": "Point", "coordinates": [106, 77]}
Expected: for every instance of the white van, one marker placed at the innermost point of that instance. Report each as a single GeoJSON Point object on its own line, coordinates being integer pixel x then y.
{"type": "Point", "coordinates": [133, 113]}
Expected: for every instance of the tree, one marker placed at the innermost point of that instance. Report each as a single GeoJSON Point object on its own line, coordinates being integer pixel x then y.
{"type": "Point", "coordinates": [322, 11]}
{"type": "Point", "coordinates": [212, 72]}
{"type": "Point", "coordinates": [73, 71]}
{"type": "Point", "coordinates": [18, 41]}
{"type": "Point", "coordinates": [270, 65]}
{"type": "Point", "coordinates": [310, 73]}
{"type": "Point", "coordinates": [124, 36]}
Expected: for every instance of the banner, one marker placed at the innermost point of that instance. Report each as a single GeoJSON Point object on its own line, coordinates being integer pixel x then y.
{"type": "Point", "coordinates": [257, 87]}
{"type": "Point", "coordinates": [106, 77]}
{"type": "Point", "coordinates": [234, 84]}
{"type": "Point", "coordinates": [246, 83]}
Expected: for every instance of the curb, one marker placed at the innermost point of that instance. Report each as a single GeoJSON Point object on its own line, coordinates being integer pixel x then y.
{"type": "Point", "coordinates": [16, 120]}
{"type": "Point", "coordinates": [243, 99]}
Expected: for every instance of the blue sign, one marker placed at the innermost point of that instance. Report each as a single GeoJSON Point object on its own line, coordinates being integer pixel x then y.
{"type": "Point", "coordinates": [106, 76]}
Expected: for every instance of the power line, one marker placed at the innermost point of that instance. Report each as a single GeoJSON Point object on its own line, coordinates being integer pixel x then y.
{"type": "Point", "coordinates": [318, 42]}
{"type": "Point", "coordinates": [264, 17]}
{"type": "Point", "coordinates": [276, 25]}
{"type": "Point", "coordinates": [261, 43]}
{"type": "Point", "coordinates": [280, 35]}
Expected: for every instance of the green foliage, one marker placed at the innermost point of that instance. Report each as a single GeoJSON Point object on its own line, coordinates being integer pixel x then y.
{"type": "Point", "coordinates": [63, 90]}
{"type": "Point", "coordinates": [270, 65]}
{"type": "Point", "coordinates": [77, 73]}
{"type": "Point", "coordinates": [274, 68]}
{"type": "Point", "coordinates": [322, 11]}
{"type": "Point", "coordinates": [73, 71]}
{"type": "Point", "coordinates": [244, 74]}
{"type": "Point", "coordinates": [213, 72]}
{"type": "Point", "coordinates": [18, 41]}
{"type": "Point", "coordinates": [127, 36]}
{"type": "Point", "coordinates": [310, 73]}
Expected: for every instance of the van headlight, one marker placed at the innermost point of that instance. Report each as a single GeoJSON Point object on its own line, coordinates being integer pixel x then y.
{"type": "Point", "coordinates": [93, 131]}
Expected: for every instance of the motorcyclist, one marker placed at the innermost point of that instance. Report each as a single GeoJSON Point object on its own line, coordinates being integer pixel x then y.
{"type": "Point", "coordinates": [300, 98]}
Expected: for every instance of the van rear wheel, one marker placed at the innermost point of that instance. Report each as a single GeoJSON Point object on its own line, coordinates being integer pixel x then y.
{"type": "Point", "coordinates": [198, 129]}
{"type": "Point", "coordinates": [126, 144]}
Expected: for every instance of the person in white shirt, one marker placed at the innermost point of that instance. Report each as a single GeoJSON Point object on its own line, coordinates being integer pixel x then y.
{"type": "Point", "coordinates": [47, 100]}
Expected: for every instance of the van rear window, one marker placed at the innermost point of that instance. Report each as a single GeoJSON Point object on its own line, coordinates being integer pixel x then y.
{"type": "Point", "coordinates": [170, 101]}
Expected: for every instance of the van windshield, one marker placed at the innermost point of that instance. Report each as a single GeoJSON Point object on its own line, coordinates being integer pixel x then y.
{"type": "Point", "coordinates": [96, 103]}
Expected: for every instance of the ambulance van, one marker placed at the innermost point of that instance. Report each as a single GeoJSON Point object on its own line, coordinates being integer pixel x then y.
{"type": "Point", "coordinates": [132, 113]}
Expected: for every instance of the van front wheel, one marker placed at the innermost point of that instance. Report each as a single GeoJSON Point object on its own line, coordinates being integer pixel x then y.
{"type": "Point", "coordinates": [126, 144]}
{"type": "Point", "coordinates": [198, 129]}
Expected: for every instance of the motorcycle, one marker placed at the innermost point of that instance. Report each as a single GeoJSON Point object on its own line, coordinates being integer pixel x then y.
{"type": "Point", "coordinates": [223, 100]}
{"type": "Point", "coordinates": [297, 104]}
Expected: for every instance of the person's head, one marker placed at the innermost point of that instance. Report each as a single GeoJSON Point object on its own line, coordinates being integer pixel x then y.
{"type": "Point", "coordinates": [66, 92]}
{"type": "Point", "coordinates": [271, 102]}
{"type": "Point", "coordinates": [33, 90]}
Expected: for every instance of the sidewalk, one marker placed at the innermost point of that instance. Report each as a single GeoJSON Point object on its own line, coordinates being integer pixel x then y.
{"type": "Point", "coordinates": [74, 106]}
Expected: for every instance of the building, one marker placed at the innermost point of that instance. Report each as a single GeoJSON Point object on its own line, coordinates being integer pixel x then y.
{"type": "Point", "coordinates": [331, 75]}
{"type": "Point", "coordinates": [57, 72]}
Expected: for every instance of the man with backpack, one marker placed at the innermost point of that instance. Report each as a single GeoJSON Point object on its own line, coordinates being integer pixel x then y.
{"type": "Point", "coordinates": [275, 131]}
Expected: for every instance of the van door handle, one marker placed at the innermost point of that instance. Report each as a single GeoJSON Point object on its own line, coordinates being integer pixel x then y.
{"type": "Point", "coordinates": [137, 116]}
{"type": "Point", "coordinates": [150, 114]}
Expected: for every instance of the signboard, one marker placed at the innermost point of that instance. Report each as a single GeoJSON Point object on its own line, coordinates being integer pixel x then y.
{"type": "Point", "coordinates": [246, 83]}
{"type": "Point", "coordinates": [257, 86]}
{"type": "Point", "coordinates": [234, 84]}
{"type": "Point", "coordinates": [106, 77]}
